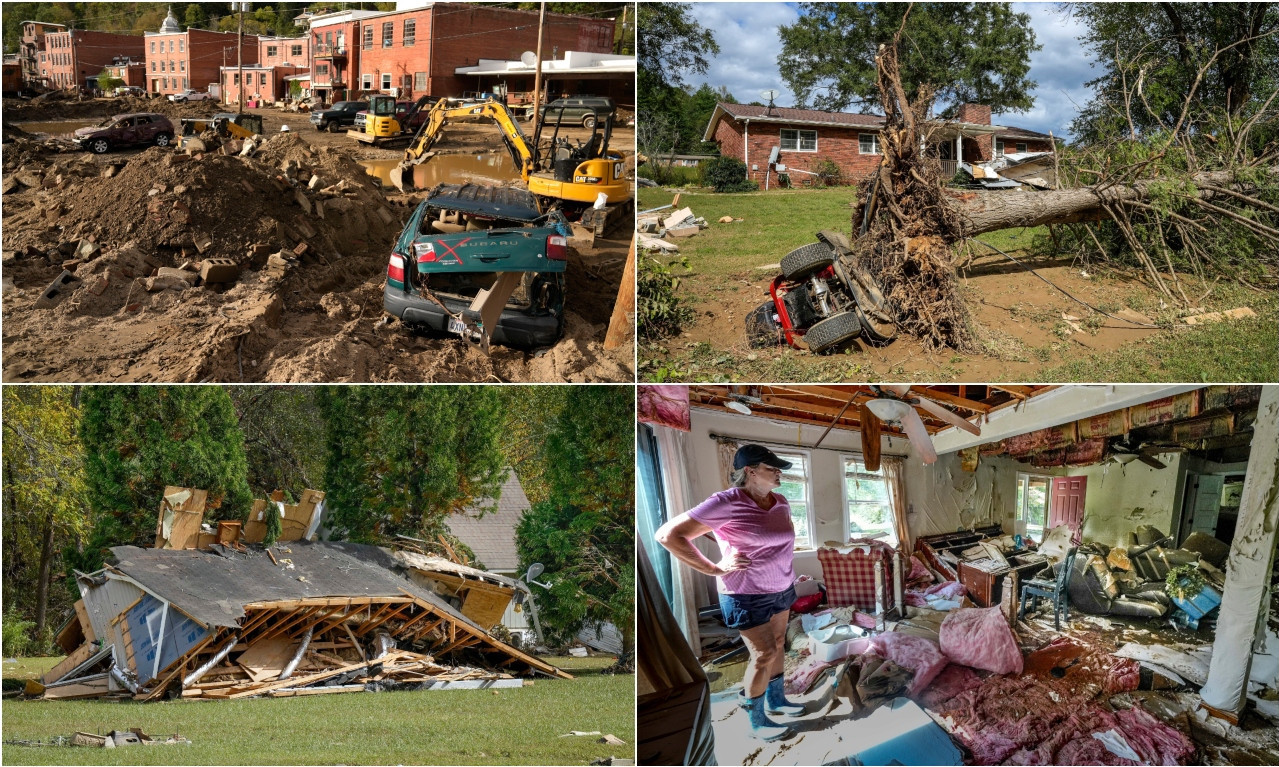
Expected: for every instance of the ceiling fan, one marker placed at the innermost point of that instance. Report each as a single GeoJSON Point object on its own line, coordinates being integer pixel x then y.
{"type": "Point", "coordinates": [893, 404]}
{"type": "Point", "coordinates": [1123, 453]}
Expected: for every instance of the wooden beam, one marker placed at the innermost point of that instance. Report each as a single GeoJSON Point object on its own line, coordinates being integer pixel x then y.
{"type": "Point", "coordinates": [300, 681]}
{"type": "Point", "coordinates": [1020, 392]}
{"type": "Point", "coordinates": [459, 644]}
{"type": "Point", "coordinates": [366, 628]}
{"type": "Point", "coordinates": [951, 399]}
{"type": "Point", "coordinates": [325, 601]}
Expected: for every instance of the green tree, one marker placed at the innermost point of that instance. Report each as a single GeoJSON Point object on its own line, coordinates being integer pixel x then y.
{"type": "Point", "coordinates": [284, 431]}
{"type": "Point", "coordinates": [967, 52]}
{"type": "Point", "coordinates": [401, 459]}
{"type": "Point", "coordinates": [1165, 46]}
{"type": "Point", "coordinates": [107, 83]}
{"type": "Point", "coordinates": [137, 440]}
{"type": "Point", "coordinates": [671, 46]}
{"type": "Point", "coordinates": [585, 532]}
{"type": "Point", "coordinates": [44, 497]}
{"type": "Point", "coordinates": [531, 413]}
{"type": "Point", "coordinates": [195, 16]}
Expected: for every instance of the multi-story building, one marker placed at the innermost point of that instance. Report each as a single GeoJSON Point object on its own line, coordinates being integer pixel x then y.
{"type": "Point", "coordinates": [31, 53]}
{"type": "Point", "coordinates": [261, 83]}
{"type": "Point", "coordinates": [128, 71]}
{"type": "Point", "coordinates": [178, 60]}
{"type": "Point", "coordinates": [285, 51]}
{"type": "Point", "coordinates": [417, 51]}
{"type": "Point", "coordinates": [75, 57]}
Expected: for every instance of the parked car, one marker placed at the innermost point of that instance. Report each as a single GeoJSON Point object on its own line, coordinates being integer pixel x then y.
{"type": "Point", "coordinates": [586, 110]}
{"type": "Point", "coordinates": [457, 242]}
{"type": "Point", "coordinates": [190, 95]}
{"type": "Point", "coordinates": [130, 90]}
{"type": "Point", "coordinates": [340, 115]}
{"type": "Point", "coordinates": [137, 129]}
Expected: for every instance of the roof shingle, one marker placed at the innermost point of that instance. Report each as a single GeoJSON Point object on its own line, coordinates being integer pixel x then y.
{"type": "Point", "coordinates": [493, 537]}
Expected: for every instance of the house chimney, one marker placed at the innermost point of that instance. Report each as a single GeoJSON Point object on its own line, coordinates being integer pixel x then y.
{"type": "Point", "coordinates": [976, 114]}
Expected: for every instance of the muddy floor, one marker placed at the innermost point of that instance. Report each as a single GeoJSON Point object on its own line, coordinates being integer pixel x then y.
{"type": "Point", "coordinates": [299, 221]}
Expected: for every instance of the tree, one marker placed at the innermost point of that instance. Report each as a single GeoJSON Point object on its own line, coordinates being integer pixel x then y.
{"type": "Point", "coordinates": [531, 413]}
{"type": "Point", "coordinates": [195, 17]}
{"type": "Point", "coordinates": [107, 83]}
{"type": "Point", "coordinates": [44, 495]}
{"type": "Point", "coordinates": [283, 429]}
{"type": "Point", "coordinates": [137, 440]}
{"type": "Point", "coordinates": [1165, 45]}
{"type": "Point", "coordinates": [968, 53]}
{"type": "Point", "coordinates": [400, 460]}
{"type": "Point", "coordinates": [584, 533]}
{"type": "Point", "coordinates": [671, 45]}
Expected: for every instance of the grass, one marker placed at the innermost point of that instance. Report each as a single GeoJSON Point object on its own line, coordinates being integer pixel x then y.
{"type": "Point", "coordinates": [511, 726]}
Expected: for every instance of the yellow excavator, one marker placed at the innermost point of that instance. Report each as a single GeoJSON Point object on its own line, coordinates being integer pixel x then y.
{"type": "Point", "coordinates": [584, 180]}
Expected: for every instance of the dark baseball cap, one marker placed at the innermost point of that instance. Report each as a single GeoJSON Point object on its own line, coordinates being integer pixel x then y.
{"type": "Point", "coordinates": [749, 455]}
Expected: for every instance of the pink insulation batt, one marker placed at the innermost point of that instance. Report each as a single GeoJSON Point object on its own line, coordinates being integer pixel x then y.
{"type": "Point", "coordinates": [980, 638]}
{"type": "Point", "coordinates": [915, 653]}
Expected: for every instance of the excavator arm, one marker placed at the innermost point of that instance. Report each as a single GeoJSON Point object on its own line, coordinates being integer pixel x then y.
{"type": "Point", "coordinates": [441, 114]}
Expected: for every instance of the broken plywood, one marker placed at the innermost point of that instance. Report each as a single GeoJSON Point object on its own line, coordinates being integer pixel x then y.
{"type": "Point", "coordinates": [181, 513]}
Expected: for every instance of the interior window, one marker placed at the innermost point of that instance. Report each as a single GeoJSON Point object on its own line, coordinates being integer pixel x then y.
{"type": "Point", "coordinates": [867, 503]}
{"type": "Point", "coordinates": [795, 489]}
{"type": "Point", "coordinates": [1033, 492]}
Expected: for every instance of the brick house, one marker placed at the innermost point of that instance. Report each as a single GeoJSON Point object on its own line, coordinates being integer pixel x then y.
{"type": "Point", "coordinates": [178, 60]}
{"type": "Point", "coordinates": [806, 137]}
{"type": "Point", "coordinates": [417, 51]}
{"type": "Point", "coordinates": [77, 56]}
{"type": "Point", "coordinates": [285, 51]}
{"type": "Point", "coordinates": [31, 51]}
{"type": "Point", "coordinates": [263, 83]}
{"type": "Point", "coordinates": [129, 71]}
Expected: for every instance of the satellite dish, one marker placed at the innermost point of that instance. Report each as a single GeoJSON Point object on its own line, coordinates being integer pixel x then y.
{"type": "Point", "coordinates": [770, 94]}
{"type": "Point", "coordinates": [528, 58]}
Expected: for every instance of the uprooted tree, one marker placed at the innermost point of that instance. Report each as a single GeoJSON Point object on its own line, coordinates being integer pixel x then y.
{"type": "Point", "coordinates": [1199, 194]}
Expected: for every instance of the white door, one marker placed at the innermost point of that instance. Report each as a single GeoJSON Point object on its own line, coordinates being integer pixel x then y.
{"type": "Point", "coordinates": [1207, 503]}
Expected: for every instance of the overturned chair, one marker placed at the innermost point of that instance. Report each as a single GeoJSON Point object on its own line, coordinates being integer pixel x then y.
{"type": "Point", "coordinates": [1053, 589]}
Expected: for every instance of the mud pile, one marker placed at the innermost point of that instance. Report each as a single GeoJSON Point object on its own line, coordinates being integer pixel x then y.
{"type": "Point", "coordinates": [263, 263]}
{"type": "Point", "coordinates": [56, 107]}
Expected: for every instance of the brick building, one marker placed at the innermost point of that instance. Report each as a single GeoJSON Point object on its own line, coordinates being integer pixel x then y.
{"type": "Point", "coordinates": [262, 83]}
{"type": "Point", "coordinates": [285, 51]}
{"type": "Point", "coordinates": [418, 51]}
{"type": "Point", "coordinates": [75, 57]}
{"type": "Point", "coordinates": [131, 72]}
{"type": "Point", "coordinates": [31, 50]}
{"type": "Point", "coordinates": [178, 60]}
{"type": "Point", "coordinates": [806, 137]}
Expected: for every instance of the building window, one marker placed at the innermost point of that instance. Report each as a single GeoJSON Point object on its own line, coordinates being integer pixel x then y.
{"type": "Point", "coordinates": [185, 83]}
{"type": "Point", "coordinates": [321, 69]}
{"type": "Point", "coordinates": [999, 147]}
{"type": "Point", "coordinates": [162, 65]}
{"type": "Point", "coordinates": [386, 82]}
{"type": "Point", "coordinates": [1021, 148]}
{"type": "Point", "coordinates": [318, 39]}
{"type": "Point", "coordinates": [419, 81]}
{"type": "Point", "coordinates": [868, 143]}
{"type": "Point", "coordinates": [170, 46]}
{"type": "Point", "coordinates": [153, 46]}
{"type": "Point", "coordinates": [368, 36]}
{"type": "Point", "coordinates": [182, 65]}
{"type": "Point", "coordinates": [166, 82]}
{"type": "Point", "coordinates": [410, 31]}
{"type": "Point", "coordinates": [262, 78]}
{"type": "Point", "coordinates": [867, 505]}
{"type": "Point", "coordinates": [235, 79]}
{"type": "Point", "coordinates": [272, 50]}
{"type": "Point", "coordinates": [296, 50]}
{"type": "Point", "coordinates": [388, 33]}
{"type": "Point", "coordinates": [182, 45]}
{"type": "Point", "coordinates": [794, 488]}
{"type": "Point", "coordinates": [366, 83]}
{"type": "Point", "coordinates": [153, 66]}
{"type": "Point", "coordinates": [1033, 492]}
{"type": "Point", "coordinates": [799, 140]}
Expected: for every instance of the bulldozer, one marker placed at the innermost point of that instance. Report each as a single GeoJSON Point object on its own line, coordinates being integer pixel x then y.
{"type": "Point", "coordinates": [383, 127]}
{"type": "Point", "coordinates": [585, 181]}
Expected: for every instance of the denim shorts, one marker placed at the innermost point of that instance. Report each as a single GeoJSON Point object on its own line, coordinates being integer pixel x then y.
{"type": "Point", "coordinates": [746, 611]}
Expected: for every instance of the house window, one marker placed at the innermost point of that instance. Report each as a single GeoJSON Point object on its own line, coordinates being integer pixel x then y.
{"type": "Point", "coordinates": [170, 46]}
{"type": "Point", "coordinates": [182, 65]}
{"type": "Point", "coordinates": [366, 83]}
{"type": "Point", "coordinates": [794, 488]}
{"type": "Point", "coordinates": [235, 78]}
{"type": "Point", "coordinates": [1021, 147]}
{"type": "Point", "coordinates": [153, 66]}
{"type": "Point", "coordinates": [162, 69]}
{"type": "Point", "coordinates": [368, 36]}
{"type": "Point", "coordinates": [166, 82]}
{"type": "Point", "coordinates": [262, 78]}
{"type": "Point", "coordinates": [1033, 493]}
{"type": "Point", "coordinates": [386, 82]}
{"type": "Point", "coordinates": [799, 140]}
{"type": "Point", "coordinates": [410, 31]}
{"type": "Point", "coordinates": [388, 33]}
{"type": "Point", "coordinates": [185, 83]}
{"type": "Point", "coordinates": [182, 45]}
{"type": "Point", "coordinates": [999, 147]}
{"type": "Point", "coordinates": [272, 50]}
{"type": "Point", "coordinates": [328, 38]}
{"type": "Point", "coordinates": [867, 505]}
{"type": "Point", "coordinates": [321, 69]}
{"type": "Point", "coordinates": [153, 46]}
{"type": "Point", "coordinates": [296, 50]}
{"type": "Point", "coordinates": [419, 81]}
{"type": "Point", "coordinates": [868, 143]}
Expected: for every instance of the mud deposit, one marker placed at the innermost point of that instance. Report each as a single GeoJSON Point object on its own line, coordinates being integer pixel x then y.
{"type": "Point", "coordinates": [306, 232]}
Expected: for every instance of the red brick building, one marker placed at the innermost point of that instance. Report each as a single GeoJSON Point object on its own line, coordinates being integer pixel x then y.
{"type": "Point", "coordinates": [417, 51]}
{"type": "Point", "coordinates": [262, 83]}
{"type": "Point", "coordinates": [75, 57]}
{"type": "Point", "coordinates": [31, 51]}
{"type": "Point", "coordinates": [285, 51]}
{"type": "Point", "coordinates": [178, 60]}
{"type": "Point", "coordinates": [131, 72]}
{"type": "Point", "coordinates": [806, 137]}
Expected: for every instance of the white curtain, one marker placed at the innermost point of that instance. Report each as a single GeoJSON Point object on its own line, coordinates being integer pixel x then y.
{"type": "Point", "coordinates": [690, 587]}
{"type": "Point", "coordinates": [891, 466]}
{"type": "Point", "coordinates": [726, 451]}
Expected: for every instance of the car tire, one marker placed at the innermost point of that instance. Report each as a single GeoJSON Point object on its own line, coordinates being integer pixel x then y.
{"type": "Point", "coordinates": [803, 261]}
{"type": "Point", "coordinates": [334, 127]}
{"type": "Point", "coordinates": [99, 145]}
{"type": "Point", "coordinates": [588, 122]}
{"type": "Point", "coordinates": [832, 331]}
{"type": "Point", "coordinates": [163, 139]}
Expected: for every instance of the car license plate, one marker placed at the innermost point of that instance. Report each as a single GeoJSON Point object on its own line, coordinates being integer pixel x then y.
{"type": "Point", "coordinates": [457, 326]}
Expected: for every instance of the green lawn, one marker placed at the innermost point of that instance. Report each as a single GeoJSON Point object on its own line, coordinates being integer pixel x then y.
{"type": "Point", "coordinates": [511, 726]}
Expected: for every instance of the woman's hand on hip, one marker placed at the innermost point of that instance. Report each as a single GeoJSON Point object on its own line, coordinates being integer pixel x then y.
{"type": "Point", "coordinates": [738, 561]}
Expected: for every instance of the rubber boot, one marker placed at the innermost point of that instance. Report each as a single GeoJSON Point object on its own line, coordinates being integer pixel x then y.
{"type": "Point", "coordinates": [775, 699]}
{"type": "Point", "coordinates": [762, 728]}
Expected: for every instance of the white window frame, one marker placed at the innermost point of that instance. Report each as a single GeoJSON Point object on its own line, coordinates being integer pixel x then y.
{"type": "Point", "coordinates": [1021, 147]}
{"type": "Point", "coordinates": [386, 81]}
{"type": "Point", "coordinates": [999, 147]}
{"type": "Point", "coordinates": [1024, 478]}
{"type": "Point", "coordinates": [419, 81]}
{"type": "Point", "coordinates": [366, 82]}
{"type": "Point", "coordinates": [874, 143]}
{"type": "Point", "coordinates": [798, 140]}
{"type": "Point", "coordinates": [807, 459]}
{"type": "Point", "coordinates": [843, 492]}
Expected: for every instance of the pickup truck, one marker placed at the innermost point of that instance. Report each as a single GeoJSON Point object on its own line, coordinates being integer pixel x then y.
{"type": "Point", "coordinates": [466, 238]}
{"type": "Point", "coordinates": [190, 95]}
{"type": "Point", "coordinates": [338, 116]}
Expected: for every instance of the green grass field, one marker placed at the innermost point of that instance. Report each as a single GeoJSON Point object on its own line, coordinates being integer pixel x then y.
{"type": "Point", "coordinates": [511, 726]}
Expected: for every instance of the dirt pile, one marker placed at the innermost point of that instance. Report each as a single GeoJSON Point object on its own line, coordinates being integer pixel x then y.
{"type": "Point", "coordinates": [260, 261]}
{"type": "Point", "coordinates": [54, 107]}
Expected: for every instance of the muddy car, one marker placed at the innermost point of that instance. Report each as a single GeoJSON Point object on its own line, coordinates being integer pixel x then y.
{"type": "Point", "coordinates": [586, 110]}
{"type": "Point", "coordinates": [340, 115]}
{"type": "Point", "coordinates": [140, 129]}
{"type": "Point", "coordinates": [467, 242]}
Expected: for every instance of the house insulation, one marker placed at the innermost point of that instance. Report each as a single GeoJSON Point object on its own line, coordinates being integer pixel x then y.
{"type": "Point", "coordinates": [299, 618]}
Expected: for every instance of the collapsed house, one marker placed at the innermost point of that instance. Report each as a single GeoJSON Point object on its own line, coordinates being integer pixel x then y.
{"type": "Point", "coordinates": [1090, 579]}
{"type": "Point", "coordinates": [212, 614]}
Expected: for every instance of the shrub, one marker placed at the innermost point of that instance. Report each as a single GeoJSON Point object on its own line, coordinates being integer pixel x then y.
{"type": "Point", "coordinates": [670, 175]}
{"type": "Point", "coordinates": [728, 174]}
{"type": "Point", "coordinates": [15, 635]}
{"type": "Point", "coordinates": [828, 172]}
{"type": "Point", "coordinates": [660, 312]}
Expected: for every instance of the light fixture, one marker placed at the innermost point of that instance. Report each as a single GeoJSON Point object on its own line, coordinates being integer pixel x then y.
{"type": "Point", "coordinates": [736, 406]}
{"type": "Point", "coordinates": [888, 409]}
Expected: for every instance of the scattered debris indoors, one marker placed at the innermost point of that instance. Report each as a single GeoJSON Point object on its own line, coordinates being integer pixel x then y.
{"type": "Point", "coordinates": [1159, 589]}
{"type": "Point", "coordinates": [212, 613]}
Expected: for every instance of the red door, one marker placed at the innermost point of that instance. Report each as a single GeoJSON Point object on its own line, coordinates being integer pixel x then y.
{"type": "Point", "coordinates": [1067, 505]}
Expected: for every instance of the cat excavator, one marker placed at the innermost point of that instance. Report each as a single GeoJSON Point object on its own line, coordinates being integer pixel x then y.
{"type": "Point", "coordinates": [584, 180]}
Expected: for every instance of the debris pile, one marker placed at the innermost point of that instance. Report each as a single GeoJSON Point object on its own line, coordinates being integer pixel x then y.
{"type": "Point", "coordinates": [208, 613]}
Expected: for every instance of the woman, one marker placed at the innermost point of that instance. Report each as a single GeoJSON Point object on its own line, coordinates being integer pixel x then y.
{"type": "Point", "coordinates": [756, 580]}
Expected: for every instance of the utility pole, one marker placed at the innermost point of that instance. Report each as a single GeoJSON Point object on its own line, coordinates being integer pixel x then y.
{"type": "Point", "coordinates": [239, 56]}
{"type": "Point", "coordinates": [537, 75]}
{"type": "Point", "coordinates": [620, 43]}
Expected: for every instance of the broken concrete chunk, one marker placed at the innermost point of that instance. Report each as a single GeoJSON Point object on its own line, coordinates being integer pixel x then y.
{"type": "Point", "coordinates": [219, 270]}
{"type": "Point", "coordinates": [56, 289]}
{"type": "Point", "coordinates": [682, 231]}
{"type": "Point", "coordinates": [158, 283]}
{"type": "Point", "coordinates": [302, 200]}
{"type": "Point", "coordinates": [677, 218]}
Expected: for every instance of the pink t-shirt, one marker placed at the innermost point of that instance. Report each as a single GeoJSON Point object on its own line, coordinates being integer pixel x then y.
{"type": "Point", "coordinates": [767, 538]}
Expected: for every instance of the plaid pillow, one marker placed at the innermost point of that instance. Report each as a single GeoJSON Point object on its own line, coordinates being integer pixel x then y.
{"type": "Point", "coordinates": [850, 578]}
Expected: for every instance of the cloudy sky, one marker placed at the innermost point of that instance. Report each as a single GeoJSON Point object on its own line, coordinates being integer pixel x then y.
{"type": "Point", "coordinates": [747, 63]}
